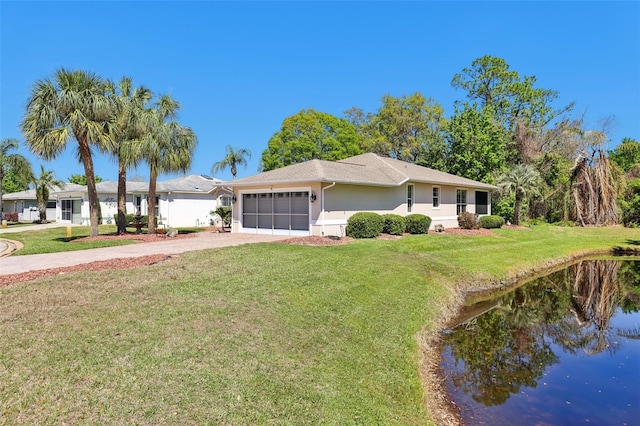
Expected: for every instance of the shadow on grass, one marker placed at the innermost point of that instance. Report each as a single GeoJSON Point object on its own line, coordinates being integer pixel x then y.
{"type": "Point", "coordinates": [633, 242]}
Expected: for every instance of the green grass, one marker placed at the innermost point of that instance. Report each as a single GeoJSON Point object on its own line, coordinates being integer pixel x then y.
{"type": "Point", "coordinates": [255, 334]}
{"type": "Point", "coordinates": [55, 240]}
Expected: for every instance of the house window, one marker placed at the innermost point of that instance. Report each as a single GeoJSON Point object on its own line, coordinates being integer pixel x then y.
{"type": "Point", "coordinates": [409, 198]}
{"type": "Point", "coordinates": [157, 208]}
{"type": "Point", "coordinates": [436, 197]}
{"type": "Point", "coordinates": [225, 201]}
{"type": "Point", "coordinates": [137, 204]}
{"type": "Point", "coordinates": [482, 202]}
{"type": "Point", "coordinates": [461, 201]}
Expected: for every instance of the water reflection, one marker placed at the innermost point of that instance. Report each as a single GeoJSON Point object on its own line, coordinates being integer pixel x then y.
{"type": "Point", "coordinates": [519, 351]}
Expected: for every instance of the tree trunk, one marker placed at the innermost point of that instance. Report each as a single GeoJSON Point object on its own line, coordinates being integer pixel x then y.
{"type": "Point", "coordinates": [87, 161]}
{"type": "Point", "coordinates": [517, 208]}
{"type": "Point", "coordinates": [122, 198]}
{"type": "Point", "coordinates": [151, 202]}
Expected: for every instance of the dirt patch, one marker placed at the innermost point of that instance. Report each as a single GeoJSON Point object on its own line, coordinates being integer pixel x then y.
{"type": "Point", "coordinates": [143, 238]}
{"type": "Point", "coordinates": [125, 263]}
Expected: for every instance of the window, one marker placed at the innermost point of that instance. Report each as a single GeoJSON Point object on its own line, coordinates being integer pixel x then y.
{"type": "Point", "coordinates": [482, 202]}
{"type": "Point", "coordinates": [225, 201]}
{"type": "Point", "coordinates": [436, 197]}
{"type": "Point", "coordinates": [409, 198]}
{"type": "Point", "coordinates": [157, 208]}
{"type": "Point", "coordinates": [67, 207]}
{"type": "Point", "coordinates": [461, 201]}
{"type": "Point", "coordinates": [137, 204]}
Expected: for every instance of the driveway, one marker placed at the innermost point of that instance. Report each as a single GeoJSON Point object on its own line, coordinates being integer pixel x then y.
{"type": "Point", "coordinates": [202, 241]}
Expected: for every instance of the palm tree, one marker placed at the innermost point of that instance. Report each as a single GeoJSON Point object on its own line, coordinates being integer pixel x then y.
{"type": "Point", "coordinates": [16, 162]}
{"type": "Point", "coordinates": [130, 104]}
{"type": "Point", "coordinates": [168, 147]}
{"type": "Point", "coordinates": [43, 184]}
{"type": "Point", "coordinates": [523, 180]}
{"type": "Point", "coordinates": [74, 104]}
{"type": "Point", "coordinates": [231, 160]}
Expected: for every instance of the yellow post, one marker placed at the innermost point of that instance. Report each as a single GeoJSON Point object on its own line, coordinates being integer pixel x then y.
{"type": "Point", "coordinates": [4, 223]}
{"type": "Point", "coordinates": [68, 231]}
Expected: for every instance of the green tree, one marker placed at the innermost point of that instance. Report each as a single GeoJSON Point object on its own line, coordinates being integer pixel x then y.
{"type": "Point", "coordinates": [130, 130]}
{"type": "Point", "coordinates": [410, 128]}
{"type": "Point", "coordinates": [626, 155]}
{"type": "Point", "coordinates": [522, 180]}
{"type": "Point", "coordinates": [232, 159]}
{"type": "Point", "coordinates": [82, 179]}
{"type": "Point", "coordinates": [14, 164]}
{"type": "Point", "coordinates": [168, 147]}
{"type": "Point", "coordinates": [521, 108]}
{"type": "Point", "coordinates": [310, 135]}
{"type": "Point", "coordinates": [478, 146]}
{"type": "Point", "coordinates": [73, 104]}
{"type": "Point", "coordinates": [43, 184]}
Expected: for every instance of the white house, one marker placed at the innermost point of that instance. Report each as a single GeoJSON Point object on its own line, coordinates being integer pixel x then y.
{"type": "Point", "coordinates": [182, 202]}
{"type": "Point", "coordinates": [318, 197]}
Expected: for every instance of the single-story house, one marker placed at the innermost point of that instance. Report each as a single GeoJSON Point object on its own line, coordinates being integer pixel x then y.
{"type": "Point", "coordinates": [25, 203]}
{"type": "Point", "coordinates": [317, 197]}
{"type": "Point", "coordinates": [181, 202]}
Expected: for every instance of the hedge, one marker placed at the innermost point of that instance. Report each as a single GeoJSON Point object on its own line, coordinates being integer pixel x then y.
{"type": "Point", "coordinates": [490, 222]}
{"type": "Point", "coordinates": [468, 220]}
{"type": "Point", "coordinates": [394, 224]}
{"type": "Point", "coordinates": [417, 223]}
{"type": "Point", "coordinates": [365, 225]}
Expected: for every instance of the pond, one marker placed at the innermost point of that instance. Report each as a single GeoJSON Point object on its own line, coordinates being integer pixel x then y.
{"type": "Point", "coordinates": [562, 349]}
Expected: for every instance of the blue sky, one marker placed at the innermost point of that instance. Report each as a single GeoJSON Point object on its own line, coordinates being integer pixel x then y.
{"type": "Point", "coordinates": [240, 68]}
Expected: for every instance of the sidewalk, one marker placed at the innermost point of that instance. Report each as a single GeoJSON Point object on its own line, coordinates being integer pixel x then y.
{"type": "Point", "coordinates": [202, 241]}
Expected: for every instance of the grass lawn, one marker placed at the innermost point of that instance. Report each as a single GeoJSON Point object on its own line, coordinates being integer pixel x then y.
{"type": "Point", "coordinates": [255, 334]}
{"type": "Point", "coordinates": [55, 240]}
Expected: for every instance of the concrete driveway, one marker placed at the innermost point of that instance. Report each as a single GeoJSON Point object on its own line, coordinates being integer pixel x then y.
{"type": "Point", "coordinates": [202, 241]}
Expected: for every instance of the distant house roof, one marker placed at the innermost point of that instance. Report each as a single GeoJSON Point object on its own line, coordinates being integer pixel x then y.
{"type": "Point", "coordinates": [188, 184]}
{"type": "Point", "coordinates": [365, 169]}
{"type": "Point", "coordinates": [30, 194]}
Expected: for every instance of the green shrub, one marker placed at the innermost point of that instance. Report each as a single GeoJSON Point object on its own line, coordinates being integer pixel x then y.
{"type": "Point", "coordinates": [365, 225]}
{"type": "Point", "coordinates": [490, 222]}
{"type": "Point", "coordinates": [393, 224]}
{"type": "Point", "coordinates": [130, 218]}
{"type": "Point", "coordinates": [417, 223]}
{"type": "Point", "coordinates": [468, 220]}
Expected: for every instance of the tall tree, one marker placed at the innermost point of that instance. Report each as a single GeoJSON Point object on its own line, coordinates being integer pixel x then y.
{"type": "Point", "coordinates": [522, 180]}
{"type": "Point", "coordinates": [310, 135]}
{"type": "Point", "coordinates": [232, 159]}
{"type": "Point", "coordinates": [82, 179]}
{"type": "Point", "coordinates": [18, 165]}
{"type": "Point", "coordinates": [168, 147]}
{"type": "Point", "coordinates": [626, 155]}
{"type": "Point", "coordinates": [43, 184]}
{"type": "Point", "coordinates": [130, 130]}
{"type": "Point", "coordinates": [520, 107]}
{"type": "Point", "coordinates": [410, 128]}
{"type": "Point", "coordinates": [73, 104]}
{"type": "Point", "coordinates": [478, 146]}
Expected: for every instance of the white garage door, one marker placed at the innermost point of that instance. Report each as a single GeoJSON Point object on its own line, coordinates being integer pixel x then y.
{"type": "Point", "coordinates": [276, 213]}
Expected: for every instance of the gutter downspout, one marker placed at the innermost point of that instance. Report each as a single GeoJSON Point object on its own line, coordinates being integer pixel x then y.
{"type": "Point", "coordinates": [324, 189]}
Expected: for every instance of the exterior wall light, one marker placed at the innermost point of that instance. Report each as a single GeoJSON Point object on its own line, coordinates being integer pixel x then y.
{"type": "Point", "coordinates": [234, 199]}
{"type": "Point", "coordinates": [313, 196]}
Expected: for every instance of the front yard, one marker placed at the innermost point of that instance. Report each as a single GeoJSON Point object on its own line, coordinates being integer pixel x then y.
{"type": "Point", "coordinates": [266, 333]}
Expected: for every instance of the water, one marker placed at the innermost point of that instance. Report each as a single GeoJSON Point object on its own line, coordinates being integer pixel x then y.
{"type": "Point", "coordinates": [560, 350]}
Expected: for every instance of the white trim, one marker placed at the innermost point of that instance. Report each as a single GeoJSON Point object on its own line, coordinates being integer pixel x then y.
{"type": "Point", "coordinates": [329, 222]}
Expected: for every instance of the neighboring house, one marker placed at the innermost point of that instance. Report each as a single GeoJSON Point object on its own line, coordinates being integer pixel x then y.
{"type": "Point", "coordinates": [25, 203]}
{"type": "Point", "coordinates": [181, 202]}
{"type": "Point", "coordinates": [317, 197]}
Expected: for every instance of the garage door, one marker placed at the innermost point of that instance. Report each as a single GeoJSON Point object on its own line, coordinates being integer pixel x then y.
{"type": "Point", "coordinates": [276, 213]}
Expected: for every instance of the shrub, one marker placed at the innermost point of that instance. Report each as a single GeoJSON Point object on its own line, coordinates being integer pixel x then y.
{"type": "Point", "coordinates": [468, 220]}
{"type": "Point", "coordinates": [490, 222]}
{"type": "Point", "coordinates": [393, 224]}
{"type": "Point", "coordinates": [417, 223]}
{"type": "Point", "coordinates": [365, 225]}
{"type": "Point", "coordinates": [130, 218]}
{"type": "Point", "coordinates": [11, 216]}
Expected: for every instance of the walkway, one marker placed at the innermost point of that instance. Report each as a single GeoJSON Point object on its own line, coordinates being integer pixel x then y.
{"type": "Point", "coordinates": [202, 241]}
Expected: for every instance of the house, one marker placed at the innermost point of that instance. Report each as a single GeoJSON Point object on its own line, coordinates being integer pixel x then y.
{"type": "Point", "coordinates": [25, 203]}
{"type": "Point", "coordinates": [182, 202]}
{"type": "Point", "coordinates": [317, 197]}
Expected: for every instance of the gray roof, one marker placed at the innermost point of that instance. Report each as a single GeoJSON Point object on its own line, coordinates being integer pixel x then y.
{"type": "Point", "coordinates": [194, 184]}
{"type": "Point", "coordinates": [365, 169]}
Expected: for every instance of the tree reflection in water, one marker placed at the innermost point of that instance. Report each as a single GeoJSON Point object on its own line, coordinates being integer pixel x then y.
{"type": "Point", "coordinates": [510, 346]}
